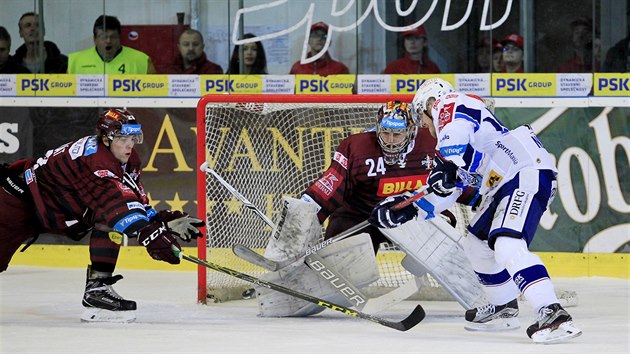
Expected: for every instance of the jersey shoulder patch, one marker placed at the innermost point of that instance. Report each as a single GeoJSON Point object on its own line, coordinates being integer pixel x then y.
{"type": "Point", "coordinates": [328, 183]}
{"type": "Point", "coordinates": [85, 146]}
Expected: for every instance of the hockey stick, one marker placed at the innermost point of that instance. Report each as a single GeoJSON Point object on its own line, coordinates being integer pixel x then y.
{"type": "Point", "coordinates": [259, 260]}
{"type": "Point", "coordinates": [416, 316]}
{"type": "Point", "coordinates": [313, 261]}
{"type": "Point", "coordinates": [205, 168]}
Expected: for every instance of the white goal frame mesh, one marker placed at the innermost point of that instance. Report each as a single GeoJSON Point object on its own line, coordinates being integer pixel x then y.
{"type": "Point", "coordinates": [266, 147]}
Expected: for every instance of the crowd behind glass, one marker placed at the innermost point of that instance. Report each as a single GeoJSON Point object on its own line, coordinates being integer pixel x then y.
{"type": "Point", "coordinates": [502, 50]}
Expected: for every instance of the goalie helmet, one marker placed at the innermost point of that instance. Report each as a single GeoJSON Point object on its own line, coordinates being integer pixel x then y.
{"type": "Point", "coordinates": [395, 120]}
{"type": "Point", "coordinates": [432, 88]}
{"type": "Point", "coordinates": [116, 122]}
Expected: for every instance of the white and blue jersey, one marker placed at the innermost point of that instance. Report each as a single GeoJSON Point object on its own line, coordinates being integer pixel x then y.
{"type": "Point", "coordinates": [473, 138]}
{"type": "Point", "coordinates": [517, 174]}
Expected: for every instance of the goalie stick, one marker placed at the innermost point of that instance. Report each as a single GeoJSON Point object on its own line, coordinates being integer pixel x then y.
{"type": "Point", "coordinates": [252, 256]}
{"type": "Point", "coordinates": [416, 316]}
{"type": "Point", "coordinates": [249, 205]}
{"type": "Point", "coordinates": [313, 261]}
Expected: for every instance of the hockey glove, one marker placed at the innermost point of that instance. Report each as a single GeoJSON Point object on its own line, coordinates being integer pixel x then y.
{"type": "Point", "coordinates": [382, 215]}
{"type": "Point", "coordinates": [159, 242]}
{"type": "Point", "coordinates": [443, 177]}
{"type": "Point", "coordinates": [181, 224]}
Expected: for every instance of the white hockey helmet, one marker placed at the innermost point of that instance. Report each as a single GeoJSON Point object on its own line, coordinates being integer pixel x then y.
{"type": "Point", "coordinates": [432, 88]}
{"type": "Point", "coordinates": [395, 117]}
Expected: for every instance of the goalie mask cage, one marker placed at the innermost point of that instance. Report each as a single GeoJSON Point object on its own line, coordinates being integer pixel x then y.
{"type": "Point", "coordinates": [266, 147]}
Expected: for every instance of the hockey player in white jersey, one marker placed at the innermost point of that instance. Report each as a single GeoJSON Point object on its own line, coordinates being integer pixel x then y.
{"type": "Point", "coordinates": [517, 178]}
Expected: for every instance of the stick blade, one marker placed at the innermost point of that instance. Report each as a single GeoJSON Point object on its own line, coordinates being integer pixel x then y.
{"type": "Point", "coordinates": [412, 320]}
{"type": "Point", "coordinates": [252, 257]}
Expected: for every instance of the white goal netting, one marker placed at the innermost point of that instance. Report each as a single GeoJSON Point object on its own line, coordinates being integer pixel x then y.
{"type": "Point", "coordinates": [267, 150]}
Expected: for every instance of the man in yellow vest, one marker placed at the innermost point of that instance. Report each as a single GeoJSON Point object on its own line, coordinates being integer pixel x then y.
{"type": "Point", "coordinates": [108, 56]}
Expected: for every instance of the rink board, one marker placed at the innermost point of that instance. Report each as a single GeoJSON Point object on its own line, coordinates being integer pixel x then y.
{"type": "Point", "coordinates": [134, 257]}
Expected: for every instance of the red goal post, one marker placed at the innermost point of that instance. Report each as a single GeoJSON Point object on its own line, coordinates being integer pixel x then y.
{"type": "Point", "coordinates": [218, 115]}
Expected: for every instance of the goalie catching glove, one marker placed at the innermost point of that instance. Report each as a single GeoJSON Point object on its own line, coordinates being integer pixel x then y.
{"type": "Point", "coordinates": [159, 241]}
{"type": "Point", "coordinates": [384, 217]}
{"type": "Point", "coordinates": [181, 224]}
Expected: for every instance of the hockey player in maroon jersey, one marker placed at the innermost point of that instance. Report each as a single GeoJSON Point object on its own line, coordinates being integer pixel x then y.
{"type": "Point", "coordinates": [91, 185]}
{"type": "Point", "coordinates": [368, 167]}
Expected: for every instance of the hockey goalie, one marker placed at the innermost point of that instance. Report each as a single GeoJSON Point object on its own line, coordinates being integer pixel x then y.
{"type": "Point", "coordinates": [366, 168]}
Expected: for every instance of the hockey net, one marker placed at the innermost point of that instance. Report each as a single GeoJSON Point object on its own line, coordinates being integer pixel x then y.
{"type": "Point", "coordinates": [266, 147]}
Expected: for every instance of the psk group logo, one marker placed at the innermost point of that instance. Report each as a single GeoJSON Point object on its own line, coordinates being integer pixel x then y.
{"type": "Point", "coordinates": [46, 85]}
{"type": "Point", "coordinates": [409, 84]}
{"type": "Point", "coordinates": [138, 85]}
{"type": "Point", "coordinates": [523, 85]}
{"type": "Point", "coordinates": [332, 84]}
{"type": "Point", "coordinates": [243, 84]}
{"type": "Point", "coordinates": [613, 84]}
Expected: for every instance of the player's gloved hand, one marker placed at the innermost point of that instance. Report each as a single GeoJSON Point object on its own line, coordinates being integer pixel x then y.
{"type": "Point", "coordinates": [443, 177]}
{"type": "Point", "coordinates": [159, 242]}
{"type": "Point", "coordinates": [181, 224]}
{"type": "Point", "coordinates": [471, 197]}
{"type": "Point", "coordinates": [383, 216]}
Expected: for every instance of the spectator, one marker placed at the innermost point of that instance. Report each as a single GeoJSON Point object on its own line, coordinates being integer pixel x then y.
{"type": "Point", "coordinates": [582, 44]}
{"type": "Point", "coordinates": [416, 59]}
{"type": "Point", "coordinates": [512, 53]}
{"type": "Point", "coordinates": [489, 56]}
{"type": "Point", "coordinates": [254, 58]}
{"type": "Point", "coordinates": [27, 54]}
{"type": "Point", "coordinates": [108, 56]}
{"type": "Point", "coordinates": [325, 65]}
{"type": "Point", "coordinates": [618, 57]}
{"type": "Point", "coordinates": [7, 64]}
{"type": "Point", "coordinates": [192, 58]}
{"type": "Point", "coordinates": [497, 58]}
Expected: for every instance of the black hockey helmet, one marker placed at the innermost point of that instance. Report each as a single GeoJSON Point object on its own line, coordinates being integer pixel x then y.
{"type": "Point", "coordinates": [115, 122]}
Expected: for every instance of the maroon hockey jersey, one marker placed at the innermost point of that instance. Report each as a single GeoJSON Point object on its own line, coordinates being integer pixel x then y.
{"type": "Point", "coordinates": [81, 184]}
{"type": "Point", "coordinates": [358, 177]}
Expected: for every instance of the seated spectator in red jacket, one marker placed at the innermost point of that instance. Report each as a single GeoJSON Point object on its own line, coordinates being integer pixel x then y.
{"type": "Point", "coordinates": [192, 58]}
{"type": "Point", "coordinates": [7, 64]}
{"type": "Point", "coordinates": [513, 53]}
{"type": "Point", "coordinates": [323, 66]}
{"type": "Point", "coordinates": [582, 48]}
{"type": "Point", "coordinates": [416, 59]}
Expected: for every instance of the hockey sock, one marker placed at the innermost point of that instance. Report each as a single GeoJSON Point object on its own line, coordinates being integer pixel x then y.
{"type": "Point", "coordinates": [527, 270]}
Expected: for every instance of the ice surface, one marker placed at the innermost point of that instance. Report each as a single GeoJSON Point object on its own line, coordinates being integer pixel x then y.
{"type": "Point", "coordinates": [40, 308]}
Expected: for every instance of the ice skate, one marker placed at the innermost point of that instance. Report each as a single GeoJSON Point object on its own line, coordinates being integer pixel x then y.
{"type": "Point", "coordinates": [102, 302]}
{"type": "Point", "coordinates": [493, 318]}
{"type": "Point", "coordinates": [554, 325]}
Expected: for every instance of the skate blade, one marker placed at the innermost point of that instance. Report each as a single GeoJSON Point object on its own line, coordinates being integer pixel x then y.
{"type": "Point", "coordinates": [498, 325]}
{"type": "Point", "coordinates": [101, 315]}
{"type": "Point", "coordinates": [563, 333]}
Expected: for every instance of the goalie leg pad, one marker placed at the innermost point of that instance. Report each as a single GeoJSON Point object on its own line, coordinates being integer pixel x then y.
{"type": "Point", "coordinates": [434, 245]}
{"type": "Point", "coordinates": [298, 229]}
{"type": "Point", "coordinates": [353, 258]}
